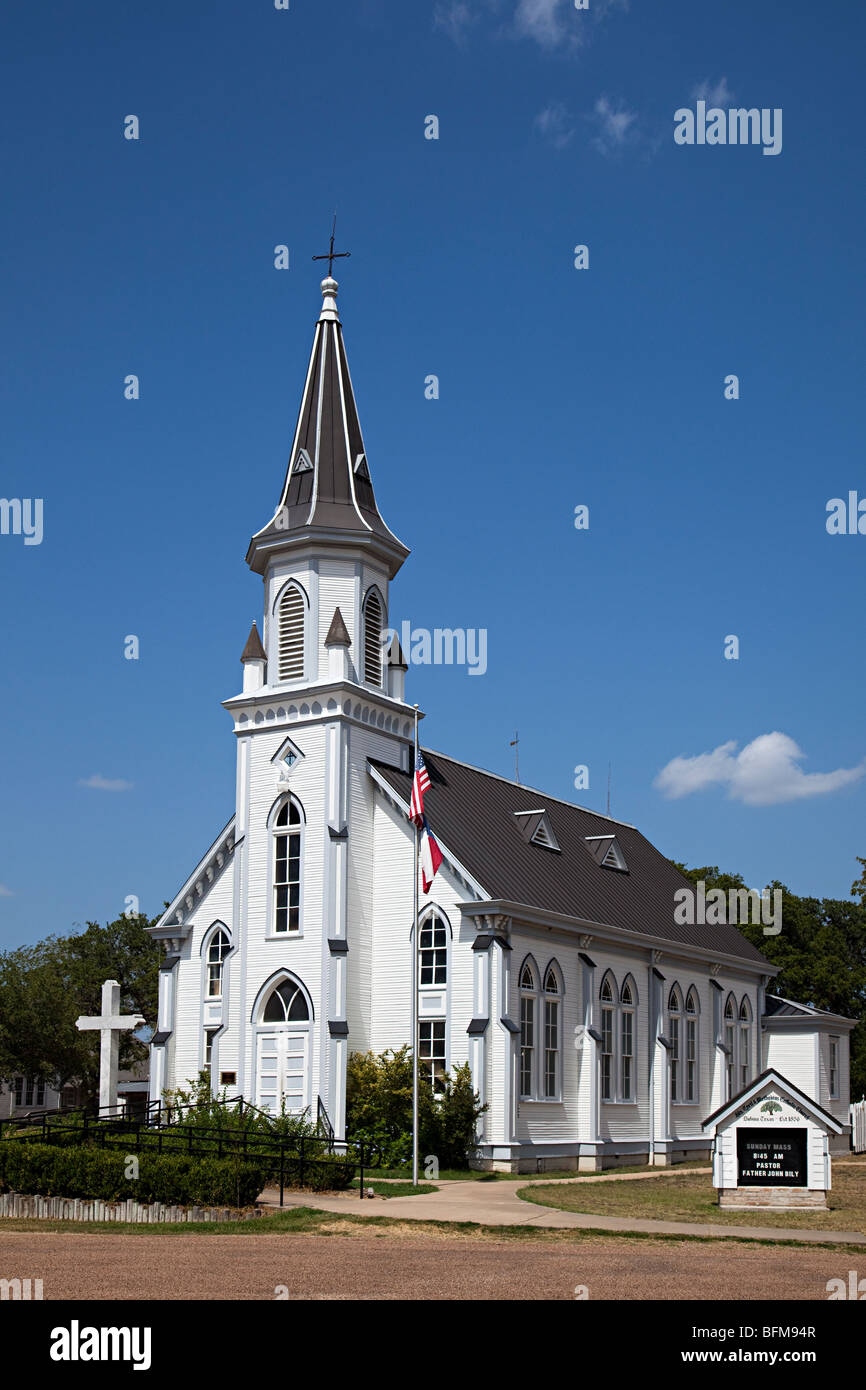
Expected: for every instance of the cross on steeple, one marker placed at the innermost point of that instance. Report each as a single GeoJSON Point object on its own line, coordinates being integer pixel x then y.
{"type": "Point", "coordinates": [332, 255]}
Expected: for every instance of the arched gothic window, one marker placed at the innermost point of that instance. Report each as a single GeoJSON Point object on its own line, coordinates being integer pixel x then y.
{"type": "Point", "coordinates": [552, 1063]}
{"type": "Point", "coordinates": [286, 1004]}
{"type": "Point", "coordinates": [675, 1009]}
{"type": "Point", "coordinates": [730, 1043]}
{"type": "Point", "coordinates": [291, 618]}
{"type": "Point", "coordinates": [608, 1012]}
{"type": "Point", "coordinates": [627, 999]}
{"type": "Point", "coordinates": [745, 1042]}
{"type": "Point", "coordinates": [373, 638]}
{"type": "Point", "coordinates": [288, 843]}
{"type": "Point", "coordinates": [692, 1077]}
{"type": "Point", "coordinates": [433, 952]}
{"type": "Point", "coordinates": [528, 992]}
{"type": "Point", "coordinates": [217, 951]}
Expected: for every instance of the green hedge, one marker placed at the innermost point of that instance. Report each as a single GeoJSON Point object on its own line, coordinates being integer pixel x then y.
{"type": "Point", "coordinates": [52, 1171]}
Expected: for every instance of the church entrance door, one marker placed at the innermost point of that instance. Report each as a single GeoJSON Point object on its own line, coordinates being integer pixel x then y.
{"type": "Point", "coordinates": [282, 1070]}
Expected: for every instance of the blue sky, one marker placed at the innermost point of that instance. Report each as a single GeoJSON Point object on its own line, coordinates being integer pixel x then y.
{"type": "Point", "coordinates": [558, 387]}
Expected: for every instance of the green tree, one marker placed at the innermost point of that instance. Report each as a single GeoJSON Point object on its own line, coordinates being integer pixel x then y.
{"type": "Point", "coordinates": [820, 953]}
{"type": "Point", "coordinates": [44, 988]}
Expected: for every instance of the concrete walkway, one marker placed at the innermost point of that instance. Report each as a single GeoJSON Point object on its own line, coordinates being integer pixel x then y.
{"type": "Point", "coordinates": [497, 1204]}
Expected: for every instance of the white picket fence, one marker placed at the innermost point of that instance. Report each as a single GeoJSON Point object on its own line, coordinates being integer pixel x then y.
{"type": "Point", "coordinates": [858, 1126]}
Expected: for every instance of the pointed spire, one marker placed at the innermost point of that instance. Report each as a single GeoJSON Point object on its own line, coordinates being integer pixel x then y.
{"type": "Point", "coordinates": [328, 493]}
{"type": "Point", "coordinates": [253, 651]}
{"type": "Point", "coordinates": [338, 634]}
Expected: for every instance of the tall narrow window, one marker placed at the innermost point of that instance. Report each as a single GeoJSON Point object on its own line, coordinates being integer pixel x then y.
{"type": "Point", "coordinates": [209, 1035]}
{"type": "Point", "coordinates": [373, 639]}
{"type": "Point", "coordinates": [527, 1031]}
{"type": "Point", "coordinates": [834, 1068]}
{"type": "Point", "coordinates": [18, 1085]}
{"type": "Point", "coordinates": [691, 1046]}
{"type": "Point", "coordinates": [216, 954]}
{"type": "Point", "coordinates": [745, 1043]}
{"type": "Point", "coordinates": [433, 952]}
{"type": "Point", "coordinates": [626, 1033]}
{"type": "Point", "coordinates": [675, 1008]}
{"type": "Point", "coordinates": [287, 868]}
{"type": "Point", "coordinates": [607, 1039]}
{"type": "Point", "coordinates": [431, 1053]}
{"type": "Point", "coordinates": [551, 1035]}
{"type": "Point", "coordinates": [730, 1044]}
{"type": "Point", "coordinates": [291, 615]}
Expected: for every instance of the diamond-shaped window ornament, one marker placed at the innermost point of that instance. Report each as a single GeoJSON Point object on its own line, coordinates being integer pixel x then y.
{"type": "Point", "coordinates": [285, 758]}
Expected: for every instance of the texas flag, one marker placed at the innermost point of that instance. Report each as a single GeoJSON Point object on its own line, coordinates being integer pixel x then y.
{"type": "Point", "coordinates": [430, 857]}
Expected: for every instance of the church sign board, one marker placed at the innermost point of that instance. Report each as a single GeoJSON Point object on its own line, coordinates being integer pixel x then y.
{"type": "Point", "coordinates": [771, 1146]}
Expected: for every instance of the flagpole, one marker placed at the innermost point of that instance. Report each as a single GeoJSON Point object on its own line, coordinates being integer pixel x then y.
{"type": "Point", "coordinates": [415, 984]}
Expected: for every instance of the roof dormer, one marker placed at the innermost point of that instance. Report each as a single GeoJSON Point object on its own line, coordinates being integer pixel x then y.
{"type": "Point", "coordinates": [606, 851]}
{"type": "Point", "coordinates": [535, 828]}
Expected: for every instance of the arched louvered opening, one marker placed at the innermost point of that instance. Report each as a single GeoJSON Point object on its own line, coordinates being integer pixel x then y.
{"type": "Point", "coordinates": [292, 612]}
{"type": "Point", "coordinates": [373, 639]}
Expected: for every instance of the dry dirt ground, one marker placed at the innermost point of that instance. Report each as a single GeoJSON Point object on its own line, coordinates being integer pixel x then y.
{"type": "Point", "coordinates": [406, 1265]}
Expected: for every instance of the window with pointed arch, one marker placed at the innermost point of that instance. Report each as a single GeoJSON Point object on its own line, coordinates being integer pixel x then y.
{"type": "Point", "coordinates": [745, 1042]}
{"type": "Point", "coordinates": [730, 1043]}
{"type": "Point", "coordinates": [288, 847]}
{"type": "Point", "coordinates": [692, 1076]}
{"type": "Point", "coordinates": [433, 951]}
{"type": "Point", "coordinates": [291, 624]}
{"type": "Point", "coordinates": [218, 948]}
{"type": "Point", "coordinates": [286, 1003]}
{"type": "Point", "coordinates": [627, 1002]}
{"type": "Point", "coordinates": [675, 1010]}
{"type": "Point", "coordinates": [552, 1060]}
{"type": "Point", "coordinates": [528, 1007]}
{"type": "Point", "coordinates": [607, 995]}
{"type": "Point", "coordinates": [373, 617]}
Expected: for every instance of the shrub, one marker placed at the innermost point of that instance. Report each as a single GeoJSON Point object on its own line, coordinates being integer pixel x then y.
{"type": "Point", "coordinates": [379, 1108]}
{"type": "Point", "coordinates": [84, 1171]}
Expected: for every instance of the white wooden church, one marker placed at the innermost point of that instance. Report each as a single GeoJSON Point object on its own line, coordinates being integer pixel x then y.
{"type": "Point", "coordinates": [598, 1031]}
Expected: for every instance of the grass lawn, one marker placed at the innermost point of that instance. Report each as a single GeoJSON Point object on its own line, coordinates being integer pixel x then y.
{"type": "Point", "coordinates": [475, 1175]}
{"type": "Point", "coordinates": [685, 1197]}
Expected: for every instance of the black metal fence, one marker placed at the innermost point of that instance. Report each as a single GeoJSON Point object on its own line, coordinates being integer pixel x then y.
{"type": "Point", "coordinates": [165, 1129]}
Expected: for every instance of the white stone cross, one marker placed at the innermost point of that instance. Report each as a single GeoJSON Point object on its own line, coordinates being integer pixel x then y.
{"type": "Point", "coordinates": [110, 1024]}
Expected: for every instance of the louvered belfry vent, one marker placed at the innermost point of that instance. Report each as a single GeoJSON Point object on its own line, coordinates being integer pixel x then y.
{"type": "Point", "coordinates": [373, 639]}
{"type": "Point", "coordinates": [291, 634]}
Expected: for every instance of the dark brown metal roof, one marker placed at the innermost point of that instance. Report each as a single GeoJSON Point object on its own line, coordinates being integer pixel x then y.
{"type": "Point", "coordinates": [328, 486]}
{"type": "Point", "coordinates": [338, 633]}
{"type": "Point", "coordinates": [254, 651]}
{"type": "Point", "coordinates": [472, 813]}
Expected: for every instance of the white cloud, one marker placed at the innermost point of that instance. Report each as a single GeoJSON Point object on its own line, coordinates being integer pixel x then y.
{"type": "Point", "coordinates": [556, 124]}
{"type": "Point", "coordinates": [543, 21]}
{"type": "Point", "coordinates": [614, 124]}
{"type": "Point", "coordinates": [6, 892]}
{"type": "Point", "coordinates": [104, 784]}
{"type": "Point", "coordinates": [549, 23]}
{"type": "Point", "coordinates": [765, 773]}
{"type": "Point", "coordinates": [455, 17]}
{"type": "Point", "coordinates": [713, 93]}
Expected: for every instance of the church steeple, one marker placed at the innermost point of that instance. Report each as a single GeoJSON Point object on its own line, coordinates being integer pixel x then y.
{"type": "Point", "coordinates": [328, 493]}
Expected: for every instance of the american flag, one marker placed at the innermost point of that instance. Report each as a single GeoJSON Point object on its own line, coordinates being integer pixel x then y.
{"type": "Point", "coordinates": [420, 784]}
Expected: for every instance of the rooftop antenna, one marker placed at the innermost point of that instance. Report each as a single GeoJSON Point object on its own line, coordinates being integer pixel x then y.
{"type": "Point", "coordinates": [515, 742]}
{"type": "Point", "coordinates": [332, 255]}
{"type": "Point", "coordinates": [608, 789]}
